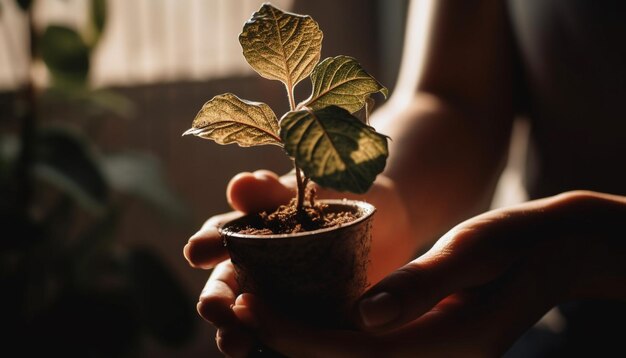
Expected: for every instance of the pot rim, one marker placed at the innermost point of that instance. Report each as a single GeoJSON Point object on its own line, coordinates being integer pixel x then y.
{"type": "Point", "coordinates": [367, 209]}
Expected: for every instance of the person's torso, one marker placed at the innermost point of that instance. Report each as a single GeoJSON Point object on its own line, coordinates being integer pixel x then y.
{"type": "Point", "coordinates": [573, 55]}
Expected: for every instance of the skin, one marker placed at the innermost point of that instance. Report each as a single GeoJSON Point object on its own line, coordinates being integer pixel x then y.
{"type": "Point", "coordinates": [456, 299]}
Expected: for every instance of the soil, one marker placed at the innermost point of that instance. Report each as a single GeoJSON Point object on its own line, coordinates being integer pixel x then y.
{"type": "Point", "coordinates": [288, 220]}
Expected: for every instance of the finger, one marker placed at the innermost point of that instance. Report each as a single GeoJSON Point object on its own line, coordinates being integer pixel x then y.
{"type": "Point", "coordinates": [235, 341]}
{"type": "Point", "coordinates": [219, 295]}
{"type": "Point", "coordinates": [476, 323]}
{"type": "Point", "coordinates": [298, 340]}
{"type": "Point", "coordinates": [483, 322]}
{"type": "Point", "coordinates": [205, 248]}
{"type": "Point", "coordinates": [258, 191]}
{"type": "Point", "coordinates": [472, 254]}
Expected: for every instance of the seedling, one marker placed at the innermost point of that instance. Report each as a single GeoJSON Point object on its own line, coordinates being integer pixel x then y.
{"type": "Point", "coordinates": [327, 142]}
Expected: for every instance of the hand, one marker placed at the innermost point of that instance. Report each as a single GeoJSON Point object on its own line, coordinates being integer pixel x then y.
{"type": "Point", "coordinates": [264, 190]}
{"type": "Point", "coordinates": [479, 288]}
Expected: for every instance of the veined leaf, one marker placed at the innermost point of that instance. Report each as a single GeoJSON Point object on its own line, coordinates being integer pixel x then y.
{"type": "Point", "coordinates": [334, 148]}
{"type": "Point", "coordinates": [228, 119]}
{"type": "Point", "coordinates": [281, 46]}
{"type": "Point", "coordinates": [341, 81]}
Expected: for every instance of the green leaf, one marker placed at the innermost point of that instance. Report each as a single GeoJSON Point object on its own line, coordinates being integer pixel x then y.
{"type": "Point", "coordinates": [89, 104]}
{"type": "Point", "coordinates": [228, 119]}
{"type": "Point", "coordinates": [66, 160]}
{"type": "Point", "coordinates": [109, 102]}
{"type": "Point", "coordinates": [9, 147]}
{"type": "Point", "coordinates": [141, 175]}
{"type": "Point", "coordinates": [334, 148]}
{"type": "Point", "coordinates": [99, 14]}
{"type": "Point", "coordinates": [281, 46]}
{"type": "Point", "coordinates": [66, 55]}
{"type": "Point", "coordinates": [341, 81]}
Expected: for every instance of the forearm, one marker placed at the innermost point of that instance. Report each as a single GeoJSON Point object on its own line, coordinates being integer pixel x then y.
{"type": "Point", "coordinates": [444, 163]}
{"type": "Point", "coordinates": [450, 127]}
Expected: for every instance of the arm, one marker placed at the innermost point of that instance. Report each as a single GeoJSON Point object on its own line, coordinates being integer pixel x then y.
{"type": "Point", "coordinates": [450, 121]}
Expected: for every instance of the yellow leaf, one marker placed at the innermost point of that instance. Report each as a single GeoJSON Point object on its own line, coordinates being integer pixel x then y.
{"type": "Point", "coordinates": [341, 81]}
{"type": "Point", "coordinates": [228, 119]}
{"type": "Point", "coordinates": [280, 45]}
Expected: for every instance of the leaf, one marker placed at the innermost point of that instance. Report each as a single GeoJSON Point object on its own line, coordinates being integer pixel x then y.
{"type": "Point", "coordinates": [141, 175]}
{"type": "Point", "coordinates": [65, 159]}
{"type": "Point", "coordinates": [9, 147]}
{"type": "Point", "coordinates": [333, 148]}
{"type": "Point", "coordinates": [90, 104]}
{"type": "Point", "coordinates": [228, 119]}
{"type": "Point", "coordinates": [281, 46]}
{"type": "Point", "coordinates": [99, 14]}
{"type": "Point", "coordinates": [341, 81]}
{"type": "Point", "coordinates": [65, 54]}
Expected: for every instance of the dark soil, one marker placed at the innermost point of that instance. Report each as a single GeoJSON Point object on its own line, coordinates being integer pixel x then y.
{"type": "Point", "coordinates": [288, 220]}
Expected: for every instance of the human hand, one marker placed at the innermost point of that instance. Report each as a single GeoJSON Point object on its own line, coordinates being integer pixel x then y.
{"type": "Point", "coordinates": [264, 190]}
{"type": "Point", "coordinates": [478, 289]}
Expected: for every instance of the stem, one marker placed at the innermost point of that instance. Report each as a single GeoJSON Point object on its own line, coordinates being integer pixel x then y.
{"type": "Point", "coordinates": [27, 132]}
{"type": "Point", "coordinates": [301, 188]}
{"type": "Point", "coordinates": [292, 100]}
{"type": "Point", "coordinates": [300, 179]}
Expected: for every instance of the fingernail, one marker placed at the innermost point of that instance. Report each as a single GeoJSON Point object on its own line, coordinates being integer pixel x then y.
{"type": "Point", "coordinates": [378, 310]}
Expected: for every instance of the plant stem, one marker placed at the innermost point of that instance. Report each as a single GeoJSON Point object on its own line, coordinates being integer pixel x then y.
{"type": "Point", "coordinates": [27, 131]}
{"type": "Point", "coordinates": [301, 188]}
{"type": "Point", "coordinates": [300, 179]}
{"type": "Point", "coordinates": [292, 100]}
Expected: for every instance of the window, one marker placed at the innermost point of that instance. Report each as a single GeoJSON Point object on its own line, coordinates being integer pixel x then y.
{"type": "Point", "coordinates": [146, 41]}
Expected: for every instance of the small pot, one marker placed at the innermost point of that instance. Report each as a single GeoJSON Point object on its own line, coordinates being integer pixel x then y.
{"type": "Point", "coordinates": [313, 276]}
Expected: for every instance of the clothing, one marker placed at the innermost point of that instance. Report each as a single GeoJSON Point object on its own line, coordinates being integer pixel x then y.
{"type": "Point", "coordinates": [573, 60]}
{"type": "Point", "coordinates": [573, 56]}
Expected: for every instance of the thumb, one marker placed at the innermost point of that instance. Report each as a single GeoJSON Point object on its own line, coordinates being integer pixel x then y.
{"type": "Point", "coordinates": [258, 191]}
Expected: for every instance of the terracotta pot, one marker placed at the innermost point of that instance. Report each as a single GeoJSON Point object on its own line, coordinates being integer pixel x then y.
{"type": "Point", "coordinates": [311, 276]}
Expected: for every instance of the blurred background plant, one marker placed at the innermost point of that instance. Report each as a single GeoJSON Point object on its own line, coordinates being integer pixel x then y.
{"type": "Point", "coordinates": [68, 286]}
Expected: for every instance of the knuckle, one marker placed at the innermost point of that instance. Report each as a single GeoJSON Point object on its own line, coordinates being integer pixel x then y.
{"type": "Point", "coordinates": [576, 202]}
{"type": "Point", "coordinates": [189, 252]}
{"type": "Point", "coordinates": [409, 274]}
{"type": "Point", "coordinates": [214, 313]}
{"type": "Point", "coordinates": [203, 311]}
{"type": "Point", "coordinates": [576, 197]}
